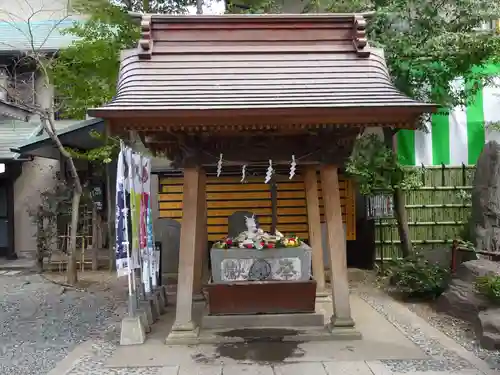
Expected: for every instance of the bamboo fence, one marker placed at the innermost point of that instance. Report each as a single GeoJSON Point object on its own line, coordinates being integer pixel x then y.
{"type": "Point", "coordinates": [437, 211]}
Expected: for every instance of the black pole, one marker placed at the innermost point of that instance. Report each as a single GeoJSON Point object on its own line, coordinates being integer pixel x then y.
{"type": "Point", "coordinates": [160, 278]}
{"type": "Point", "coordinates": [381, 246]}
{"type": "Point", "coordinates": [274, 206]}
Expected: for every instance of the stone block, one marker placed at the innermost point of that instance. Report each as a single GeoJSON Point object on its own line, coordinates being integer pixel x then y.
{"type": "Point", "coordinates": [284, 264]}
{"type": "Point", "coordinates": [160, 296]}
{"type": "Point", "coordinates": [145, 307]}
{"type": "Point", "coordinates": [264, 320]}
{"type": "Point", "coordinates": [461, 300]}
{"type": "Point", "coordinates": [300, 369]}
{"type": "Point", "coordinates": [485, 210]}
{"type": "Point", "coordinates": [144, 320]}
{"type": "Point", "coordinates": [488, 328]}
{"type": "Point", "coordinates": [132, 331]}
{"type": "Point", "coordinates": [163, 289]}
{"type": "Point", "coordinates": [155, 306]}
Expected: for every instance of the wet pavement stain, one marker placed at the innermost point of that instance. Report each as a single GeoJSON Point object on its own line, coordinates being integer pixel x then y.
{"type": "Point", "coordinates": [260, 345]}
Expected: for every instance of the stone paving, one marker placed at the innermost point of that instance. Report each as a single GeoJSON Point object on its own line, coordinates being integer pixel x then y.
{"type": "Point", "coordinates": [95, 364]}
{"type": "Point", "coordinates": [49, 329]}
{"type": "Point", "coordinates": [441, 355]}
{"type": "Point", "coordinates": [10, 273]}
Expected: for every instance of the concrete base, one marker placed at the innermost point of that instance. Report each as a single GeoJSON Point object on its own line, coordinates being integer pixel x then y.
{"type": "Point", "coordinates": [323, 296]}
{"type": "Point", "coordinates": [132, 332]}
{"type": "Point", "coordinates": [145, 307]}
{"type": "Point", "coordinates": [198, 297]}
{"type": "Point", "coordinates": [144, 320]}
{"type": "Point", "coordinates": [183, 336]}
{"type": "Point", "coordinates": [341, 322]}
{"type": "Point", "coordinates": [155, 308]}
{"type": "Point", "coordinates": [349, 333]}
{"type": "Point", "coordinates": [161, 300]}
{"type": "Point", "coordinates": [264, 320]}
{"type": "Point", "coordinates": [163, 289]}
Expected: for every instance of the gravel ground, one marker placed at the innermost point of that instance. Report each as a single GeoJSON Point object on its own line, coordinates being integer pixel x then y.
{"type": "Point", "coordinates": [441, 358]}
{"type": "Point", "coordinates": [41, 321]}
{"type": "Point", "coordinates": [460, 331]}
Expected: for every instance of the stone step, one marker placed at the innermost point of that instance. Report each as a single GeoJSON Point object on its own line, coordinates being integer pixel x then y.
{"type": "Point", "coordinates": [264, 320]}
{"type": "Point", "coordinates": [265, 334]}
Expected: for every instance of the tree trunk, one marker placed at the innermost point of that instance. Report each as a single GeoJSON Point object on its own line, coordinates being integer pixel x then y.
{"type": "Point", "coordinates": [402, 219]}
{"type": "Point", "coordinates": [146, 6]}
{"type": "Point", "coordinates": [399, 204]}
{"type": "Point", "coordinates": [110, 221]}
{"type": "Point", "coordinates": [199, 6]}
{"type": "Point", "coordinates": [71, 272]}
{"type": "Point", "coordinates": [47, 119]}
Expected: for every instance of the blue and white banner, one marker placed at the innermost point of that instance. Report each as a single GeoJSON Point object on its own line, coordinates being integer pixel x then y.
{"type": "Point", "coordinates": [121, 246]}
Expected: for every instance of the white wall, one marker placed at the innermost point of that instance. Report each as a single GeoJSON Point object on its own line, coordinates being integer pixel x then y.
{"type": "Point", "coordinates": [36, 176]}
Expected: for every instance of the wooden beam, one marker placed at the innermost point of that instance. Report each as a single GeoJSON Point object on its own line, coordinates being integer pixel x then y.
{"type": "Point", "coordinates": [202, 236]}
{"type": "Point", "coordinates": [314, 221]}
{"type": "Point", "coordinates": [337, 245]}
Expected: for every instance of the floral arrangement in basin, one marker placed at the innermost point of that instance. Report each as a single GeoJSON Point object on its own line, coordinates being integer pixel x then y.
{"type": "Point", "coordinates": [285, 241]}
{"type": "Point", "coordinates": [256, 238]}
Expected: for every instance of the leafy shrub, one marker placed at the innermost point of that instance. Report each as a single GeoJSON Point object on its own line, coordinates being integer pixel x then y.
{"type": "Point", "coordinates": [489, 286]}
{"type": "Point", "coordinates": [416, 277]}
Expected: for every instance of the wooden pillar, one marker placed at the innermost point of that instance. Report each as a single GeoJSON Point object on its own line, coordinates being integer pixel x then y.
{"type": "Point", "coordinates": [187, 252]}
{"type": "Point", "coordinates": [314, 220]}
{"type": "Point", "coordinates": [202, 238]}
{"type": "Point", "coordinates": [337, 245]}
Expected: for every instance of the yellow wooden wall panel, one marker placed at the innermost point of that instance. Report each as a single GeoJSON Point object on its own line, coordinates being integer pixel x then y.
{"type": "Point", "coordinates": [226, 195]}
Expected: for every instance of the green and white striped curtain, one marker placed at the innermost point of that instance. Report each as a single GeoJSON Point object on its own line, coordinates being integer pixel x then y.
{"type": "Point", "coordinates": [454, 138]}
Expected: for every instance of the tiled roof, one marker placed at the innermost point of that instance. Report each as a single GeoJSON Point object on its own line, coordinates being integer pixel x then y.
{"type": "Point", "coordinates": [13, 132]}
{"type": "Point", "coordinates": [213, 63]}
{"type": "Point", "coordinates": [47, 35]}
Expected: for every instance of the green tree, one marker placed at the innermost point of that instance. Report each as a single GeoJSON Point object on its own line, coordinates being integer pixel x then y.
{"type": "Point", "coordinates": [427, 45]}
{"type": "Point", "coordinates": [86, 73]}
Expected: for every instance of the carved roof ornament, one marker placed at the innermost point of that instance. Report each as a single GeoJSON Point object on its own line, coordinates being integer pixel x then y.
{"type": "Point", "coordinates": [146, 41]}
{"type": "Point", "coordinates": [359, 39]}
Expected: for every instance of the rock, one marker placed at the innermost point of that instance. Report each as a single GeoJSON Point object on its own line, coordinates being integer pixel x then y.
{"type": "Point", "coordinates": [440, 256]}
{"type": "Point", "coordinates": [485, 210]}
{"type": "Point", "coordinates": [168, 232]}
{"type": "Point", "coordinates": [469, 271]}
{"type": "Point", "coordinates": [461, 299]}
{"type": "Point", "coordinates": [488, 328]}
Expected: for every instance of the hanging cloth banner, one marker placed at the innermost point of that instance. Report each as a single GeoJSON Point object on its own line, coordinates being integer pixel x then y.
{"type": "Point", "coordinates": [142, 193]}
{"type": "Point", "coordinates": [122, 260]}
{"type": "Point", "coordinates": [133, 216]}
{"type": "Point", "coordinates": [148, 221]}
{"type": "Point", "coordinates": [457, 136]}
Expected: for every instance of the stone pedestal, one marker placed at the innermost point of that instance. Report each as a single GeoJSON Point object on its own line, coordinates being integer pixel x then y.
{"type": "Point", "coordinates": [160, 298]}
{"type": "Point", "coordinates": [146, 310]}
{"type": "Point", "coordinates": [282, 264]}
{"type": "Point", "coordinates": [132, 331]}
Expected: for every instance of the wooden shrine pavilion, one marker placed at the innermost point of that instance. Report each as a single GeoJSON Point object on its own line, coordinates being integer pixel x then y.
{"type": "Point", "coordinates": [256, 88]}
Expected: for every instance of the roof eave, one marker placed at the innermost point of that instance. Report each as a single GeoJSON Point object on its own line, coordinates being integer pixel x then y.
{"type": "Point", "coordinates": [115, 113]}
{"type": "Point", "coordinates": [183, 18]}
{"type": "Point", "coordinates": [15, 111]}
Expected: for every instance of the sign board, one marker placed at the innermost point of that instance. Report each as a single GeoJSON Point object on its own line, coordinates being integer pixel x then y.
{"type": "Point", "coordinates": [97, 195]}
{"type": "Point", "coordinates": [380, 207]}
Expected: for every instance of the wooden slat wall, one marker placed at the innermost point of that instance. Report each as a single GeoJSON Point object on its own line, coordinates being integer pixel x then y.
{"type": "Point", "coordinates": [226, 195]}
